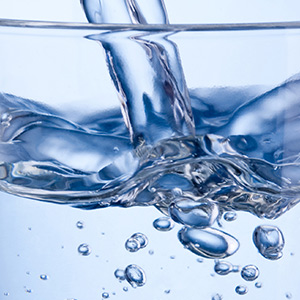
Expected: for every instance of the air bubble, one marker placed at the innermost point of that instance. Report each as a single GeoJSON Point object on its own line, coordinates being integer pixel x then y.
{"type": "Point", "coordinates": [163, 224]}
{"type": "Point", "coordinates": [230, 216]}
{"type": "Point", "coordinates": [6, 294]}
{"type": "Point", "coordinates": [258, 285]}
{"type": "Point", "coordinates": [200, 260]}
{"type": "Point", "coordinates": [217, 297]}
{"type": "Point", "coordinates": [80, 225]}
{"type": "Point", "coordinates": [167, 291]}
{"type": "Point", "coordinates": [193, 213]}
{"type": "Point", "coordinates": [208, 242]}
{"type": "Point", "coordinates": [143, 240]}
{"type": "Point", "coordinates": [132, 245]}
{"type": "Point", "coordinates": [125, 289]}
{"type": "Point", "coordinates": [269, 241]}
{"type": "Point", "coordinates": [288, 296]}
{"type": "Point", "coordinates": [84, 249]}
{"type": "Point", "coordinates": [177, 192]}
{"type": "Point", "coordinates": [250, 273]}
{"type": "Point", "coordinates": [151, 252]}
{"type": "Point", "coordinates": [223, 267]}
{"type": "Point", "coordinates": [44, 277]}
{"type": "Point", "coordinates": [120, 274]}
{"type": "Point", "coordinates": [241, 290]}
{"type": "Point", "coordinates": [105, 295]}
{"type": "Point", "coordinates": [135, 276]}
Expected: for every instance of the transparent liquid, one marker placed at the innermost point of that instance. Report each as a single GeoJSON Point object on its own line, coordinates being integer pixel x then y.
{"type": "Point", "coordinates": [193, 155]}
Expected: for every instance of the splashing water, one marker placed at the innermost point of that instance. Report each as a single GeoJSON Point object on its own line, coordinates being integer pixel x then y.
{"type": "Point", "coordinates": [190, 156]}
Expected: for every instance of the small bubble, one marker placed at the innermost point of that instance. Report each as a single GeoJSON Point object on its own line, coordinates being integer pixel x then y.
{"type": "Point", "coordinates": [241, 290]}
{"type": "Point", "coordinates": [29, 291]}
{"type": "Point", "coordinates": [80, 225]}
{"type": "Point", "coordinates": [44, 277]}
{"type": "Point", "coordinates": [120, 274]}
{"type": "Point", "coordinates": [258, 285]}
{"type": "Point", "coordinates": [192, 213]}
{"type": "Point", "coordinates": [250, 273]}
{"type": "Point", "coordinates": [230, 216]}
{"type": "Point", "coordinates": [288, 296]}
{"type": "Point", "coordinates": [125, 289]}
{"type": "Point", "coordinates": [116, 149]}
{"type": "Point", "coordinates": [163, 224]}
{"type": "Point", "coordinates": [5, 119]}
{"type": "Point", "coordinates": [172, 257]}
{"type": "Point", "coordinates": [236, 268]}
{"type": "Point", "coordinates": [153, 190]}
{"type": "Point", "coordinates": [177, 192]}
{"type": "Point", "coordinates": [269, 241]}
{"type": "Point", "coordinates": [208, 242]}
{"type": "Point", "coordinates": [217, 297]}
{"type": "Point", "coordinates": [223, 268]}
{"type": "Point", "coordinates": [143, 240]}
{"type": "Point", "coordinates": [29, 228]}
{"type": "Point", "coordinates": [27, 273]}
{"type": "Point", "coordinates": [200, 260]}
{"type": "Point", "coordinates": [105, 295]}
{"type": "Point", "coordinates": [132, 245]}
{"type": "Point", "coordinates": [6, 294]}
{"type": "Point", "coordinates": [84, 249]}
{"type": "Point", "coordinates": [151, 252]}
{"type": "Point", "coordinates": [135, 275]}
{"type": "Point", "coordinates": [167, 291]}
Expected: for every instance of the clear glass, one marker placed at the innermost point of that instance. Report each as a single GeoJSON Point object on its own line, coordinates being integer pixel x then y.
{"type": "Point", "coordinates": [80, 173]}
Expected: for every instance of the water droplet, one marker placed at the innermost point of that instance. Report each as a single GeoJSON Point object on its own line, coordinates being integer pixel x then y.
{"type": "Point", "coordinates": [84, 249]}
{"type": "Point", "coordinates": [120, 274]}
{"type": "Point", "coordinates": [125, 289]}
{"type": "Point", "coordinates": [223, 267]}
{"type": "Point", "coordinates": [167, 291]}
{"type": "Point", "coordinates": [151, 252]}
{"type": "Point", "coordinates": [208, 242]}
{"type": "Point", "coordinates": [44, 277]}
{"type": "Point", "coordinates": [241, 290]}
{"type": "Point", "coordinates": [132, 245]}
{"type": "Point", "coordinates": [250, 273]}
{"type": "Point", "coordinates": [105, 295]}
{"type": "Point", "coordinates": [258, 285]}
{"type": "Point", "coordinates": [269, 241]}
{"type": "Point", "coordinates": [193, 213]}
{"type": "Point", "coordinates": [230, 216]}
{"type": "Point", "coordinates": [135, 275]}
{"type": "Point", "coordinates": [217, 297]}
{"type": "Point", "coordinates": [143, 240]}
{"type": "Point", "coordinates": [80, 225]}
{"type": "Point", "coordinates": [288, 296]}
{"type": "Point", "coordinates": [163, 224]}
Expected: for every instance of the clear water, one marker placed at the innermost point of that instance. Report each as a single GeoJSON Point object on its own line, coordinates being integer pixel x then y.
{"type": "Point", "coordinates": [194, 155]}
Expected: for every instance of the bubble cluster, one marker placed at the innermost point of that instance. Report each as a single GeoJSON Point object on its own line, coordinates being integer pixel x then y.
{"type": "Point", "coordinates": [163, 224]}
{"type": "Point", "coordinates": [136, 242]}
{"type": "Point", "coordinates": [135, 276]}
{"type": "Point", "coordinates": [250, 273]}
{"type": "Point", "coordinates": [269, 241]}
{"type": "Point", "coordinates": [192, 213]}
{"type": "Point", "coordinates": [208, 242]}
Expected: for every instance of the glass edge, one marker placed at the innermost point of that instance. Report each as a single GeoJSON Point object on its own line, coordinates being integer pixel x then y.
{"type": "Point", "coordinates": [149, 27]}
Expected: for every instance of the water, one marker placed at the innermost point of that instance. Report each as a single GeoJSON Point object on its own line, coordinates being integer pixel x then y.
{"type": "Point", "coordinates": [193, 158]}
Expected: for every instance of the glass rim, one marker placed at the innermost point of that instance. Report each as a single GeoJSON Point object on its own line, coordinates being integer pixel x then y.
{"type": "Point", "coordinates": [149, 27]}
